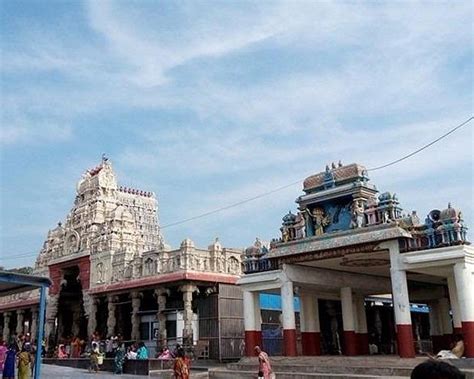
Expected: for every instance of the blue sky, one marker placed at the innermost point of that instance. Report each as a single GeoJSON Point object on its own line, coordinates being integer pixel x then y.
{"type": "Point", "coordinates": [209, 103]}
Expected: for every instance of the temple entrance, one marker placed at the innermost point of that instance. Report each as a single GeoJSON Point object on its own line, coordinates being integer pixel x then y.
{"type": "Point", "coordinates": [71, 319]}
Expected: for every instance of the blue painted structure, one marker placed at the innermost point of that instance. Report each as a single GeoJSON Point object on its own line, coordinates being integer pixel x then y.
{"type": "Point", "coordinates": [14, 283]}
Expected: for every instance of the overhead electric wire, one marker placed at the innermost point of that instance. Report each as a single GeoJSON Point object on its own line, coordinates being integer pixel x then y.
{"type": "Point", "coordinates": [300, 180]}
{"type": "Point", "coordinates": [264, 194]}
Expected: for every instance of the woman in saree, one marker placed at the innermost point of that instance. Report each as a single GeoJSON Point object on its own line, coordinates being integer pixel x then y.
{"type": "Point", "coordinates": [181, 366]}
{"type": "Point", "coordinates": [3, 353]}
{"type": "Point", "coordinates": [119, 359]}
{"type": "Point", "coordinates": [9, 365]}
{"type": "Point", "coordinates": [264, 367]}
{"type": "Point", "coordinates": [24, 360]}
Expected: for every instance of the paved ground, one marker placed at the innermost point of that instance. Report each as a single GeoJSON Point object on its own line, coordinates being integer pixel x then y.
{"type": "Point", "coordinates": [59, 372]}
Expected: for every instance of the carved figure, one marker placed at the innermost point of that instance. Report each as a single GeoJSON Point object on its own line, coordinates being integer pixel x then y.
{"type": "Point", "coordinates": [357, 219]}
{"type": "Point", "coordinates": [320, 221]}
{"type": "Point", "coordinates": [300, 226]}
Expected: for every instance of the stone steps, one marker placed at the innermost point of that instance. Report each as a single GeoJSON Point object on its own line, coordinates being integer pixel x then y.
{"type": "Point", "coordinates": [231, 374]}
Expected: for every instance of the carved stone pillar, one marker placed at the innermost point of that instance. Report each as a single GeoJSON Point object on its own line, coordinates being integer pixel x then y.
{"type": "Point", "coordinates": [51, 312]}
{"type": "Point", "coordinates": [136, 300]}
{"type": "Point", "coordinates": [20, 313]}
{"type": "Point", "coordinates": [6, 326]}
{"type": "Point", "coordinates": [160, 294]}
{"type": "Point", "coordinates": [90, 309]}
{"type": "Point", "coordinates": [34, 324]}
{"type": "Point", "coordinates": [187, 291]}
{"type": "Point", "coordinates": [111, 319]}
{"type": "Point", "coordinates": [76, 319]}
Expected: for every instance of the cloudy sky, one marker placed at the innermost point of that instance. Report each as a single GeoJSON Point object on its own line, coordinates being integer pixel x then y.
{"type": "Point", "coordinates": [210, 103]}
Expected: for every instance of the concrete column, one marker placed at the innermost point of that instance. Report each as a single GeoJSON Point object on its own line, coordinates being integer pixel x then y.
{"type": "Point", "coordinates": [136, 301]}
{"type": "Point", "coordinates": [34, 324]}
{"type": "Point", "coordinates": [436, 330]}
{"type": "Point", "coordinates": [348, 322]}
{"type": "Point", "coordinates": [111, 319]}
{"type": "Point", "coordinates": [361, 330]}
{"type": "Point", "coordinates": [401, 303]}
{"type": "Point", "coordinates": [6, 327]}
{"type": "Point", "coordinates": [187, 291]}
{"type": "Point", "coordinates": [252, 324]}
{"type": "Point", "coordinates": [288, 319]}
{"type": "Point", "coordinates": [309, 321]}
{"type": "Point", "coordinates": [445, 320]}
{"type": "Point", "coordinates": [464, 278]}
{"type": "Point", "coordinates": [50, 325]}
{"type": "Point", "coordinates": [160, 294]}
{"type": "Point", "coordinates": [453, 299]}
{"type": "Point", "coordinates": [20, 317]}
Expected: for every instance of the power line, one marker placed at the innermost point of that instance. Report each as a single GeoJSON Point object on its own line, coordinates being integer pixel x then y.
{"type": "Point", "coordinates": [300, 180]}
{"type": "Point", "coordinates": [423, 147]}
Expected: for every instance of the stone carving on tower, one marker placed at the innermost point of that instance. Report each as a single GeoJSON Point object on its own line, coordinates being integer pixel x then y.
{"type": "Point", "coordinates": [112, 224]}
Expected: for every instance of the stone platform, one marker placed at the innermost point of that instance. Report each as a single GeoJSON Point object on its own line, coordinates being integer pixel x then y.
{"type": "Point", "coordinates": [327, 367]}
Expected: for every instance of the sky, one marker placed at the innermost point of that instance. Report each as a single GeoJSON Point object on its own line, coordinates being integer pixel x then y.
{"type": "Point", "coordinates": [207, 103]}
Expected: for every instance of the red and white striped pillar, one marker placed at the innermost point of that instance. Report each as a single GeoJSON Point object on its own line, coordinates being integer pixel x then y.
{"type": "Point", "coordinates": [401, 303]}
{"type": "Point", "coordinates": [362, 333]}
{"type": "Point", "coordinates": [252, 322]}
{"type": "Point", "coordinates": [288, 319]}
{"type": "Point", "coordinates": [446, 324]}
{"type": "Point", "coordinates": [436, 331]}
{"type": "Point", "coordinates": [348, 322]}
{"type": "Point", "coordinates": [464, 277]}
{"type": "Point", "coordinates": [453, 299]}
{"type": "Point", "coordinates": [309, 321]}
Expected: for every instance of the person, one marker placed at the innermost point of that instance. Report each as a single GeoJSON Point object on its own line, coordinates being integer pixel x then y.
{"type": "Point", "coordinates": [181, 366]}
{"type": "Point", "coordinates": [165, 354]}
{"type": "Point", "coordinates": [24, 361]}
{"type": "Point", "coordinates": [456, 352]}
{"type": "Point", "coordinates": [131, 353]}
{"type": "Point", "coordinates": [94, 357]}
{"type": "Point", "coordinates": [264, 367]}
{"type": "Point", "coordinates": [119, 359]}
{"type": "Point", "coordinates": [9, 365]}
{"type": "Point", "coordinates": [434, 369]}
{"type": "Point", "coordinates": [76, 345]}
{"type": "Point", "coordinates": [142, 352]}
{"type": "Point", "coordinates": [3, 352]}
{"type": "Point", "coordinates": [62, 352]}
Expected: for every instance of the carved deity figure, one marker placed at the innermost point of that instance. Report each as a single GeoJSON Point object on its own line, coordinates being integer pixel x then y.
{"type": "Point", "coordinates": [300, 226]}
{"type": "Point", "coordinates": [357, 219]}
{"type": "Point", "coordinates": [319, 220]}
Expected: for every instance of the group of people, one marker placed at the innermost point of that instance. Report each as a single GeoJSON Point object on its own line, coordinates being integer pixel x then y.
{"type": "Point", "coordinates": [19, 352]}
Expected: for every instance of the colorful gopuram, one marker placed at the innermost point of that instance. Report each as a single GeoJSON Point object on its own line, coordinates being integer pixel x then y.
{"type": "Point", "coordinates": [344, 247]}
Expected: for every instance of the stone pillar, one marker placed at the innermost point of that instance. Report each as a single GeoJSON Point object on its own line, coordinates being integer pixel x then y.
{"type": "Point", "coordinates": [50, 324]}
{"type": "Point", "coordinates": [76, 319]}
{"type": "Point", "coordinates": [160, 294]}
{"type": "Point", "coordinates": [288, 319]}
{"type": "Point", "coordinates": [136, 301]}
{"type": "Point", "coordinates": [348, 322]}
{"type": "Point", "coordinates": [187, 291]}
{"type": "Point", "coordinates": [361, 329]}
{"type": "Point", "coordinates": [309, 321]}
{"type": "Point", "coordinates": [6, 326]}
{"type": "Point", "coordinates": [34, 324]}
{"type": "Point", "coordinates": [20, 316]}
{"type": "Point", "coordinates": [401, 303]}
{"type": "Point", "coordinates": [453, 299]}
{"type": "Point", "coordinates": [445, 319]}
{"type": "Point", "coordinates": [90, 309]}
{"type": "Point", "coordinates": [436, 331]}
{"type": "Point", "coordinates": [252, 324]}
{"type": "Point", "coordinates": [464, 277]}
{"type": "Point", "coordinates": [111, 319]}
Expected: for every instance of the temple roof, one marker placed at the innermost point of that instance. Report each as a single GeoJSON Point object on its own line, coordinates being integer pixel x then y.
{"type": "Point", "coordinates": [340, 174]}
